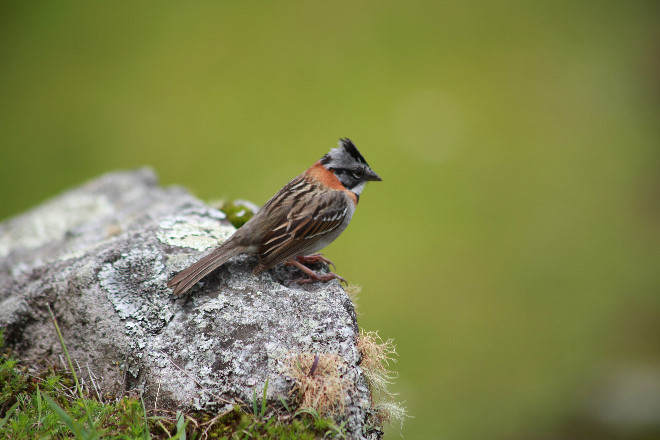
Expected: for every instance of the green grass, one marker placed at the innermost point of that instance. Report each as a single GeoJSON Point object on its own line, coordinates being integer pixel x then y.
{"type": "Point", "coordinates": [40, 400]}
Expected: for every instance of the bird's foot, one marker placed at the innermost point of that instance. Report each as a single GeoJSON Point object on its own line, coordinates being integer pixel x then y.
{"type": "Point", "coordinates": [324, 278]}
{"type": "Point", "coordinates": [313, 259]}
{"type": "Point", "coordinates": [313, 276]}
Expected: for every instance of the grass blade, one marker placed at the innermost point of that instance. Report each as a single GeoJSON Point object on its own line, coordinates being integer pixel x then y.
{"type": "Point", "coordinates": [263, 401]}
{"type": "Point", "coordinates": [311, 411]}
{"type": "Point", "coordinates": [147, 434]}
{"type": "Point", "coordinates": [76, 428]}
{"type": "Point", "coordinates": [8, 415]}
{"type": "Point", "coordinates": [284, 403]}
{"type": "Point", "coordinates": [66, 352]}
{"type": "Point", "coordinates": [180, 426]}
{"type": "Point", "coordinates": [39, 405]}
{"type": "Point", "coordinates": [88, 414]}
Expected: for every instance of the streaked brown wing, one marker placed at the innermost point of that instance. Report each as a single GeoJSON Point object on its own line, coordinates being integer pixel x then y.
{"type": "Point", "coordinates": [303, 227]}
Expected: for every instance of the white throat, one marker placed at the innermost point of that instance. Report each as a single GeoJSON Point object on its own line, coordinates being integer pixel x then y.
{"type": "Point", "coordinates": [357, 189]}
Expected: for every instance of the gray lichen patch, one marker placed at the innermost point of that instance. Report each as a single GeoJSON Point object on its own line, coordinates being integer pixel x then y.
{"type": "Point", "coordinates": [194, 231]}
{"type": "Point", "coordinates": [138, 269]}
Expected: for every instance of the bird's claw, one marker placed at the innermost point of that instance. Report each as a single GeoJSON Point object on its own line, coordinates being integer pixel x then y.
{"type": "Point", "coordinates": [313, 276]}
{"type": "Point", "coordinates": [313, 259]}
{"type": "Point", "coordinates": [324, 278]}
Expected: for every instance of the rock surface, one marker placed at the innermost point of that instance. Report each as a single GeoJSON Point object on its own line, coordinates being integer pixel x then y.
{"type": "Point", "coordinates": [100, 255]}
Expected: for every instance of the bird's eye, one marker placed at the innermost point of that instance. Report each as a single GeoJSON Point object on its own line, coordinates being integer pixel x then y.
{"type": "Point", "coordinates": [357, 174]}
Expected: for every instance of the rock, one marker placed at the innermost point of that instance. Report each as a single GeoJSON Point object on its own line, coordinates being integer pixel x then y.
{"type": "Point", "coordinates": [100, 255]}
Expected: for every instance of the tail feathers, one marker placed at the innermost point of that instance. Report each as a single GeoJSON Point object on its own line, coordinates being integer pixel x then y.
{"type": "Point", "coordinates": [187, 278]}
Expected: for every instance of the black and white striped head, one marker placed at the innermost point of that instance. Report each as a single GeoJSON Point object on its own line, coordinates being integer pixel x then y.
{"type": "Point", "coordinates": [349, 166]}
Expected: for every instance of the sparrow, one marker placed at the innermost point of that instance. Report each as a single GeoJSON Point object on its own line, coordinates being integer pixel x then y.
{"type": "Point", "coordinates": [305, 216]}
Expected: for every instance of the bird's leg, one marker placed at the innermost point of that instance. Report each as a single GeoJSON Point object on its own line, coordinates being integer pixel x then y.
{"type": "Point", "coordinates": [313, 276]}
{"type": "Point", "coordinates": [315, 258]}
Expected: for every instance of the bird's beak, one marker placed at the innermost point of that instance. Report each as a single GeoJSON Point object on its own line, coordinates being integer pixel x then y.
{"type": "Point", "coordinates": [370, 175]}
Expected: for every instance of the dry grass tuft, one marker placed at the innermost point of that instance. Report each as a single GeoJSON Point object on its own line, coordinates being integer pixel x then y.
{"type": "Point", "coordinates": [390, 412]}
{"type": "Point", "coordinates": [353, 290]}
{"type": "Point", "coordinates": [319, 382]}
{"type": "Point", "coordinates": [376, 357]}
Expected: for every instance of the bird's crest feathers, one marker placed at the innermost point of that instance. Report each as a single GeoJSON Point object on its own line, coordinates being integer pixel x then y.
{"type": "Point", "coordinates": [343, 155]}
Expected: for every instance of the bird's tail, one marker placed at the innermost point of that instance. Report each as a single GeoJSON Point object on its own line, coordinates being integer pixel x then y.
{"type": "Point", "coordinates": [187, 278]}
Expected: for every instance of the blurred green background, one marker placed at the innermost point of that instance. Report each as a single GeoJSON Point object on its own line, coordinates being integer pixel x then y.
{"type": "Point", "coordinates": [513, 248]}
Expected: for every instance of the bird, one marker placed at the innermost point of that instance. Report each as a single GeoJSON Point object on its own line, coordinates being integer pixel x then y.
{"type": "Point", "coordinates": [305, 216]}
